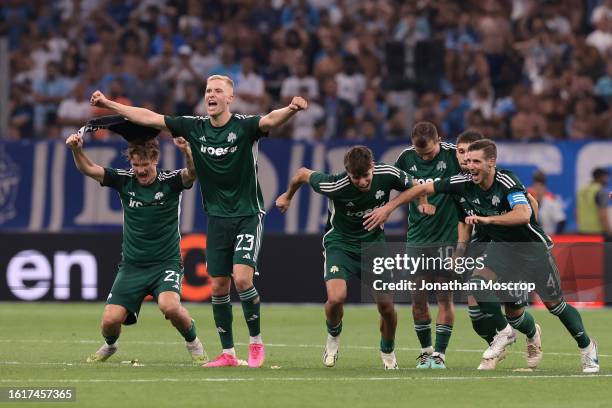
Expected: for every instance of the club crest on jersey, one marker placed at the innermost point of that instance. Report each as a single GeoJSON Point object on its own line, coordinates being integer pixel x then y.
{"type": "Point", "coordinates": [380, 194]}
{"type": "Point", "coordinates": [441, 166]}
{"type": "Point", "coordinates": [334, 269]}
{"type": "Point", "coordinates": [231, 138]}
{"type": "Point", "coordinates": [159, 195]}
{"type": "Point", "coordinates": [495, 200]}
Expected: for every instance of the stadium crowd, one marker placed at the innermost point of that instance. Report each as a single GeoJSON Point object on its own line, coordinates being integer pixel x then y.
{"type": "Point", "coordinates": [515, 69]}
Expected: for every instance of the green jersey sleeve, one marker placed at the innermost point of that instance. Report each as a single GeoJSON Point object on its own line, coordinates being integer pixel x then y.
{"type": "Point", "coordinates": [179, 125]}
{"type": "Point", "coordinates": [115, 178]}
{"type": "Point", "coordinates": [513, 188]}
{"type": "Point", "coordinates": [174, 180]}
{"type": "Point", "coordinates": [451, 185]}
{"type": "Point", "coordinates": [403, 182]}
{"type": "Point", "coordinates": [251, 125]}
{"type": "Point", "coordinates": [328, 184]}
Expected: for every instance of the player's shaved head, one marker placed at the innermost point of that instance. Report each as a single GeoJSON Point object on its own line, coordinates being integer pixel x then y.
{"type": "Point", "coordinates": [469, 136]}
{"type": "Point", "coordinates": [423, 133]}
{"type": "Point", "coordinates": [145, 149]}
{"type": "Point", "coordinates": [358, 160]}
{"type": "Point", "coordinates": [487, 146]}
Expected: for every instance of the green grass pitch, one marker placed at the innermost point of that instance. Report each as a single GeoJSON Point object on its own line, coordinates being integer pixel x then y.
{"type": "Point", "coordinates": [46, 344]}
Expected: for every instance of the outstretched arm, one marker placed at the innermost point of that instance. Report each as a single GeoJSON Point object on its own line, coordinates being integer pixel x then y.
{"type": "Point", "coordinates": [82, 161]}
{"type": "Point", "coordinates": [520, 215]}
{"type": "Point", "coordinates": [302, 176]}
{"type": "Point", "coordinates": [279, 116]}
{"type": "Point", "coordinates": [140, 116]}
{"type": "Point", "coordinates": [381, 214]}
{"type": "Point", "coordinates": [188, 174]}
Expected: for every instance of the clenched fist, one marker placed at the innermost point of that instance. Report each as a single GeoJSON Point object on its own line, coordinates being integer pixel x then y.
{"type": "Point", "coordinates": [98, 99]}
{"type": "Point", "coordinates": [298, 103]}
{"type": "Point", "coordinates": [181, 143]}
{"type": "Point", "coordinates": [74, 142]}
{"type": "Point", "coordinates": [283, 202]}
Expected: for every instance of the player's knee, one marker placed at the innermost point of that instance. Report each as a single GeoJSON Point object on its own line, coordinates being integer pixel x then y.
{"type": "Point", "coordinates": [386, 309]}
{"type": "Point", "coordinates": [170, 309]}
{"type": "Point", "coordinates": [336, 299]}
{"type": "Point", "coordinates": [220, 287]}
{"type": "Point", "coordinates": [243, 282]}
{"type": "Point", "coordinates": [111, 319]}
{"type": "Point", "coordinates": [420, 310]}
{"type": "Point", "coordinates": [445, 300]}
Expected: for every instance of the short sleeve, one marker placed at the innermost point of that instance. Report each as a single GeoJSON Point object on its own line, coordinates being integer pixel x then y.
{"type": "Point", "coordinates": [400, 161]}
{"type": "Point", "coordinates": [451, 185]}
{"type": "Point", "coordinates": [328, 184]}
{"type": "Point", "coordinates": [179, 125]}
{"type": "Point", "coordinates": [251, 125]}
{"type": "Point", "coordinates": [175, 180]}
{"type": "Point", "coordinates": [402, 182]}
{"type": "Point", "coordinates": [114, 178]}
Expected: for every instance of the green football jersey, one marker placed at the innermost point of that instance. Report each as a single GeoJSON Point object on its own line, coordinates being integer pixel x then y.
{"type": "Point", "coordinates": [442, 226]}
{"type": "Point", "coordinates": [150, 215]}
{"type": "Point", "coordinates": [347, 205]}
{"type": "Point", "coordinates": [225, 159]}
{"type": "Point", "coordinates": [506, 192]}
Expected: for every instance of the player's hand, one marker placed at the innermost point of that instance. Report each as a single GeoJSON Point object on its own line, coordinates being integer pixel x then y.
{"type": "Point", "coordinates": [477, 219]}
{"type": "Point", "coordinates": [181, 143]}
{"type": "Point", "coordinates": [283, 202]}
{"type": "Point", "coordinates": [98, 99]}
{"type": "Point", "coordinates": [376, 218]}
{"type": "Point", "coordinates": [427, 209]}
{"type": "Point", "coordinates": [74, 142]}
{"type": "Point", "coordinates": [298, 103]}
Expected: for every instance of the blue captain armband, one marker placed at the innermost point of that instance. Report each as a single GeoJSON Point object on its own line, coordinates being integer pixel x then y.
{"type": "Point", "coordinates": [517, 198]}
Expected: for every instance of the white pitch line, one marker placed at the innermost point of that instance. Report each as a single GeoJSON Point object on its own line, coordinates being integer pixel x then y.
{"type": "Point", "coordinates": [296, 379]}
{"type": "Point", "coordinates": [316, 346]}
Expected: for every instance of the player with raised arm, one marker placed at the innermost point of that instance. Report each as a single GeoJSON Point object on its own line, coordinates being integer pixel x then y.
{"type": "Point", "coordinates": [364, 185]}
{"type": "Point", "coordinates": [514, 307]}
{"type": "Point", "coordinates": [427, 160]}
{"type": "Point", "coordinates": [495, 200]}
{"type": "Point", "coordinates": [225, 156]}
{"type": "Point", "coordinates": [151, 258]}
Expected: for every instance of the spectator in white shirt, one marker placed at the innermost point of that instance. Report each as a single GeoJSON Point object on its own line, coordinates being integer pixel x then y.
{"type": "Point", "coordinates": [74, 111]}
{"type": "Point", "coordinates": [550, 213]}
{"type": "Point", "coordinates": [300, 80]}
{"type": "Point", "coordinates": [249, 89]}
{"type": "Point", "coordinates": [351, 83]}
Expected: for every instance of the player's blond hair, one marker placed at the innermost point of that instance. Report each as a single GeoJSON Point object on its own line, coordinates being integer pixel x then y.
{"type": "Point", "coordinates": [223, 78]}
